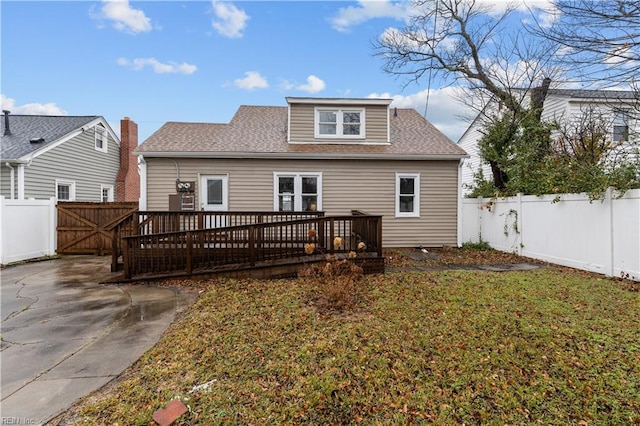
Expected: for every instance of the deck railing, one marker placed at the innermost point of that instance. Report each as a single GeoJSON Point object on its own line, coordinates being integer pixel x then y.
{"type": "Point", "coordinates": [155, 222]}
{"type": "Point", "coordinates": [199, 250]}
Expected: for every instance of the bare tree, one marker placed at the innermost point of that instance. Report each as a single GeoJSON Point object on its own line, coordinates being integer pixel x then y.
{"type": "Point", "coordinates": [599, 39]}
{"type": "Point", "coordinates": [465, 42]}
{"type": "Point", "coordinates": [468, 43]}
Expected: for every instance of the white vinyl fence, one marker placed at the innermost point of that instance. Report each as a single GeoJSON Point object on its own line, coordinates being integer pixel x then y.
{"type": "Point", "coordinates": [27, 229]}
{"type": "Point", "coordinates": [600, 236]}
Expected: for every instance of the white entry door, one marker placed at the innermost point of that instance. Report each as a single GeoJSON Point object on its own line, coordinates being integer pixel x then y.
{"type": "Point", "coordinates": [214, 197]}
{"type": "Point", "coordinates": [214, 193]}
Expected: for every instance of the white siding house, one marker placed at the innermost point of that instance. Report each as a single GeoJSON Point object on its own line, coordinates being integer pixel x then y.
{"type": "Point", "coordinates": [617, 108]}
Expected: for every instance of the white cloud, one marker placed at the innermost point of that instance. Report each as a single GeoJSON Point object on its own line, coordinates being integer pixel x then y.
{"type": "Point", "coordinates": [230, 21]}
{"type": "Point", "coordinates": [620, 55]}
{"type": "Point", "coordinates": [286, 85]}
{"type": "Point", "coordinates": [496, 7]}
{"type": "Point", "coordinates": [444, 110]}
{"type": "Point", "coordinates": [314, 85]}
{"type": "Point", "coordinates": [545, 12]}
{"type": "Point", "coordinates": [158, 67]}
{"type": "Point", "coordinates": [252, 80]}
{"type": "Point", "coordinates": [32, 108]}
{"type": "Point", "coordinates": [366, 10]}
{"type": "Point", "coordinates": [124, 17]}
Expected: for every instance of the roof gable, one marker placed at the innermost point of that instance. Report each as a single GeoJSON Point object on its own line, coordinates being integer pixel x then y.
{"type": "Point", "coordinates": [52, 129]}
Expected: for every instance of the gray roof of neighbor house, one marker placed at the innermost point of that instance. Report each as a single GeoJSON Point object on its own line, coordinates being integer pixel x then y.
{"type": "Point", "coordinates": [260, 131]}
{"type": "Point", "coordinates": [595, 94]}
{"type": "Point", "coordinates": [25, 128]}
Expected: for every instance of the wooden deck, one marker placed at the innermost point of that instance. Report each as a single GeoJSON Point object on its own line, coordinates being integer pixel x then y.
{"type": "Point", "coordinates": [245, 244]}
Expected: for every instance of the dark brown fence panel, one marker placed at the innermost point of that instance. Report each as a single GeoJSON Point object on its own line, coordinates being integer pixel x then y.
{"type": "Point", "coordinates": [85, 228]}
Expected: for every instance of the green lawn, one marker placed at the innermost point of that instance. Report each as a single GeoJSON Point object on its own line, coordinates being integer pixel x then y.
{"type": "Point", "coordinates": [549, 346]}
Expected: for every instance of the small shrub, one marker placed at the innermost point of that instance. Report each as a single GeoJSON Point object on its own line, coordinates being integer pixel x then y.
{"type": "Point", "coordinates": [481, 245]}
{"type": "Point", "coordinates": [336, 285]}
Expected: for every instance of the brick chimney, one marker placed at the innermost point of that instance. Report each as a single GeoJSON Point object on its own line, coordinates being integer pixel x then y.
{"type": "Point", "coordinates": [128, 179]}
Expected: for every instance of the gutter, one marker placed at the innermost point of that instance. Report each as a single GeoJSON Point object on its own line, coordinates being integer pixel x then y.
{"type": "Point", "coordinates": [300, 156]}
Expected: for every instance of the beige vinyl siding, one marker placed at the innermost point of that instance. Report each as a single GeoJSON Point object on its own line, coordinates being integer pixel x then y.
{"type": "Point", "coordinates": [303, 122]}
{"type": "Point", "coordinates": [75, 160]}
{"type": "Point", "coordinates": [365, 185]}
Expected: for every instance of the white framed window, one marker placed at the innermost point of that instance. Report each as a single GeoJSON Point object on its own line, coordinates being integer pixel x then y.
{"type": "Point", "coordinates": [101, 138]}
{"type": "Point", "coordinates": [106, 192]}
{"type": "Point", "coordinates": [340, 123]}
{"type": "Point", "coordinates": [297, 192]}
{"type": "Point", "coordinates": [65, 190]}
{"type": "Point", "coordinates": [407, 195]}
{"type": "Point", "coordinates": [621, 126]}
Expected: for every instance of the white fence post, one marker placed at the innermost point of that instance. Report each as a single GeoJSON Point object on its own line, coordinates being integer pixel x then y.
{"type": "Point", "coordinates": [2, 225]}
{"type": "Point", "coordinates": [54, 226]}
{"type": "Point", "coordinates": [608, 200]}
{"type": "Point", "coordinates": [479, 207]}
{"type": "Point", "coordinates": [519, 225]}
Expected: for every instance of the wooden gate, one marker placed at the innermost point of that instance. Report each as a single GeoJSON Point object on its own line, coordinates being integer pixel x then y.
{"type": "Point", "coordinates": [85, 228]}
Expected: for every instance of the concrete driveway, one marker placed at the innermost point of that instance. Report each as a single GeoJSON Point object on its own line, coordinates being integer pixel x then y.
{"type": "Point", "coordinates": [65, 335]}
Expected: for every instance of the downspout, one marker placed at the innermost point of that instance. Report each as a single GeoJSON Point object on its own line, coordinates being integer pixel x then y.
{"type": "Point", "coordinates": [13, 180]}
{"type": "Point", "coordinates": [175, 164]}
{"type": "Point", "coordinates": [142, 166]}
{"type": "Point", "coordinates": [21, 181]}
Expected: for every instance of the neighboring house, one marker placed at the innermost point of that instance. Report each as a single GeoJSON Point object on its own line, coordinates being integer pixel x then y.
{"type": "Point", "coordinates": [326, 154]}
{"type": "Point", "coordinates": [71, 158]}
{"type": "Point", "coordinates": [618, 108]}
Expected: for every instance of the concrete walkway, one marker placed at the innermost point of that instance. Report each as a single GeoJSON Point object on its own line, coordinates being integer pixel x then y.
{"type": "Point", "coordinates": [65, 335]}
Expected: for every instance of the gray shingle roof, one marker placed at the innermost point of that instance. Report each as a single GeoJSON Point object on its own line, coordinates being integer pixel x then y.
{"type": "Point", "coordinates": [594, 94]}
{"type": "Point", "coordinates": [24, 128]}
{"type": "Point", "coordinates": [260, 130]}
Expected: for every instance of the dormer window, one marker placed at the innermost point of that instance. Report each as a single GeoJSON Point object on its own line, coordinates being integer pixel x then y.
{"type": "Point", "coordinates": [339, 123]}
{"type": "Point", "coordinates": [101, 138]}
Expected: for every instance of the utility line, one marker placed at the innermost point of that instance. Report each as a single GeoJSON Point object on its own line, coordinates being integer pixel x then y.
{"type": "Point", "coordinates": [435, 25]}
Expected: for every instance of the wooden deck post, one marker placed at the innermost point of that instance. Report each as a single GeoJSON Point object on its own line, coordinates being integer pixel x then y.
{"type": "Point", "coordinates": [331, 235]}
{"type": "Point", "coordinates": [252, 245]}
{"type": "Point", "coordinates": [189, 260]}
{"type": "Point", "coordinates": [379, 235]}
{"type": "Point", "coordinates": [126, 260]}
{"type": "Point", "coordinates": [115, 238]}
{"type": "Point", "coordinates": [135, 226]}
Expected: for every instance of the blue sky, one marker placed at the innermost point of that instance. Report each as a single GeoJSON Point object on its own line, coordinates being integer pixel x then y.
{"type": "Point", "coordinates": [198, 61]}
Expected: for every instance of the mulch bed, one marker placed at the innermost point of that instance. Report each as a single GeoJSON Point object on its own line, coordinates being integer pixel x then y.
{"type": "Point", "coordinates": [451, 257]}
